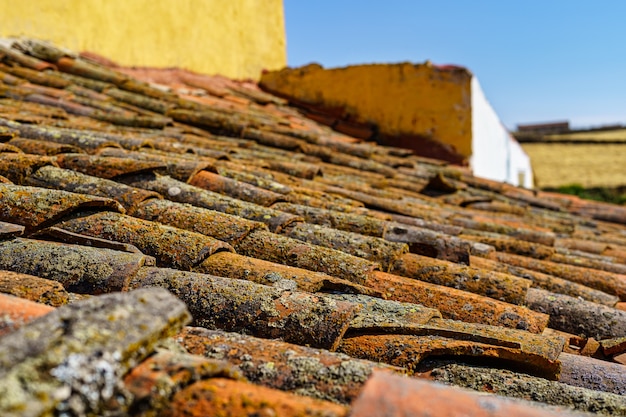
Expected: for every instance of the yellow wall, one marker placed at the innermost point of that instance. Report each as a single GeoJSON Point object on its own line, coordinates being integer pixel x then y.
{"type": "Point", "coordinates": [236, 38]}
{"type": "Point", "coordinates": [401, 99]}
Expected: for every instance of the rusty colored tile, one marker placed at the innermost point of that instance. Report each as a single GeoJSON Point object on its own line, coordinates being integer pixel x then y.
{"type": "Point", "coordinates": [8, 148]}
{"type": "Point", "coordinates": [15, 312]}
{"type": "Point", "coordinates": [35, 208]}
{"type": "Point", "coordinates": [261, 179]}
{"type": "Point", "coordinates": [621, 359]}
{"type": "Point", "coordinates": [281, 249]}
{"type": "Point", "coordinates": [17, 166]}
{"type": "Point", "coordinates": [218, 122]}
{"type": "Point", "coordinates": [386, 316]}
{"type": "Point", "coordinates": [75, 356]}
{"type": "Point", "coordinates": [604, 281]}
{"type": "Point", "coordinates": [105, 167]}
{"type": "Point", "coordinates": [517, 230]}
{"type": "Point", "coordinates": [436, 225]}
{"type": "Point", "coordinates": [582, 245]}
{"type": "Point", "coordinates": [184, 193]}
{"type": "Point", "coordinates": [33, 288]}
{"type": "Point", "coordinates": [80, 269]}
{"type": "Point", "coordinates": [296, 169]}
{"type": "Point", "coordinates": [599, 210]}
{"type": "Point", "coordinates": [548, 282]}
{"type": "Point", "coordinates": [10, 230]}
{"type": "Point", "coordinates": [231, 265]}
{"type": "Point", "coordinates": [75, 182]}
{"type": "Point", "coordinates": [243, 306]}
{"type": "Point", "coordinates": [499, 286]}
{"type": "Point", "coordinates": [45, 78]}
{"type": "Point", "coordinates": [220, 396]}
{"type": "Point", "coordinates": [180, 167]}
{"type": "Point", "coordinates": [233, 188]}
{"type": "Point", "coordinates": [456, 304]}
{"type": "Point", "coordinates": [154, 381]}
{"type": "Point", "coordinates": [349, 222]}
{"type": "Point", "coordinates": [302, 370]}
{"type": "Point", "coordinates": [25, 60]}
{"type": "Point", "coordinates": [85, 69]}
{"type": "Point", "coordinates": [275, 140]}
{"type": "Point", "coordinates": [429, 243]}
{"type": "Point", "coordinates": [372, 248]}
{"type": "Point", "coordinates": [591, 348]}
{"type": "Point", "coordinates": [577, 316]}
{"type": "Point", "coordinates": [144, 102]}
{"type": "Point", "coordinates": [585, 372]}
{"type": "Point", "coordinates": [518, 385]}
{"type": "Point", "coordinates": [512, 245]}
{"type": "Point", "coordinates": [341, 159]}
{"type": "Point", "coordinates": [225, 227]}
{"type": "Point", "coordinates": [172, 247]}
{"type": "Point", "coordinates": [392, 395]}
{"type": "Point", "coordinates": [40, 147]}
{"type": "Point", "coordinates": [586, 261]}
{"type": "Point", "coordinates": [88, 141]}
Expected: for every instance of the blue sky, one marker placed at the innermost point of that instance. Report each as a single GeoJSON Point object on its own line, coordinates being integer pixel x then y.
{"type": "Point", "coordinates": [536, 60]}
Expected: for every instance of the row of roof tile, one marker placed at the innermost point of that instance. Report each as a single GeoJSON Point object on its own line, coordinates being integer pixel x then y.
{"type": "Point", "coordinates": [265, 224]}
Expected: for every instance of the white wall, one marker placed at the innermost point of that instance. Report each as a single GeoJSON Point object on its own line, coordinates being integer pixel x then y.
{"type": "Point", "coordinates": [495, 154]}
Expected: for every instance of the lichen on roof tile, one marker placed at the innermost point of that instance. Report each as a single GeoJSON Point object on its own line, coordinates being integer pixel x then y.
{"type": "Point", "coordinates": [264, 222]}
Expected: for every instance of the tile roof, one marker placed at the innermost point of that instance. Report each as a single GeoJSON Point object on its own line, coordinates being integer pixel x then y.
{"type": "Point", "coordinates": [322, 275]}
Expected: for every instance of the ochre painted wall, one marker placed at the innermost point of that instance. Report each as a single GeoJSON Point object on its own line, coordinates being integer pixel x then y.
{"type": "Point", "coordinates": [401, 99]}
{"type": "Point", "coordinates": [236, 38]}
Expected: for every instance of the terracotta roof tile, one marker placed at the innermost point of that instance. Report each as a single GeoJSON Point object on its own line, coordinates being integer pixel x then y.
{"type": "Point", "coordinates": [16, 311]}
{"type": "Point", "coordinates": [278, 227]}
{"type": "Point", "coordinates": [289, 367]}
{"type": "Point", "coordinates": [33, 288]}
{"type": "Point", "coordinates": [394, 395]}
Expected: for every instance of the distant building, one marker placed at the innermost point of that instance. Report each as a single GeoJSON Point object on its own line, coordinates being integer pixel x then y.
{"type": "Point", "coordinates": [438, 111]}
{"type": "Point", "coordinates": [561, 126]}
{"type": "Point", "coordinates": [235, 38]}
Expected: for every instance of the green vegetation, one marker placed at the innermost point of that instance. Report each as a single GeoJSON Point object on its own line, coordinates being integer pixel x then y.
{"type": "Point", "coordinates": [615, 195]}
